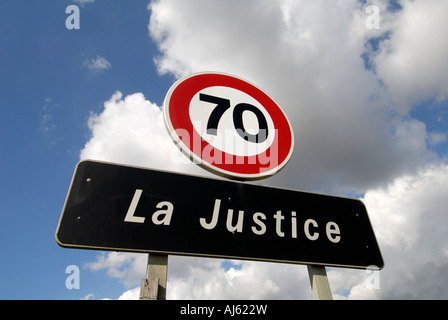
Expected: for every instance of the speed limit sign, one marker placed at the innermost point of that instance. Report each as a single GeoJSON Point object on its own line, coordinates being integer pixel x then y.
{"type": "Point", "coordinates": [228, 126]}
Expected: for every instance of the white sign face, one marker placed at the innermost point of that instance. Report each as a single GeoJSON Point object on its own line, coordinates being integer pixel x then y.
{"type": "Point", "coordinates": [228, 126]}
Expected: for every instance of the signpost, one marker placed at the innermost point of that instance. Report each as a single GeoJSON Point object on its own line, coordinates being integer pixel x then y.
{"type": "Point", "coordinates": [232, 128]}
{"type": "Point", "coordinates": [228, 126]}
{"type": "Point", "coordinates": [122, 208]}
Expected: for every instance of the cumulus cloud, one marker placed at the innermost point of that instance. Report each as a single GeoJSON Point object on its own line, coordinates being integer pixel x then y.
{"type": "Point", "coordinates": [309, 58]}
{"type": "Point", "coordinates": [349, 129]}
{"type": "Point", "coordinates": [131, 131]}
{"type": "Point", "coordinates": [348, 91]}
{"type": "Point", "coordinates": [410, 220]}
{"type": "Point", "coordinates": [132, 294]}
{"type": "Point", "coordinates": [209, 279]}
{"type": "Point", "coordinates": [127, 267]}
{"type": "Point", "coordinates": [412, 61]}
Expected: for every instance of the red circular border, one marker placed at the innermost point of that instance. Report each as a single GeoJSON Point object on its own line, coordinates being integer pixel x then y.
{"type": "Point", "coordinates": [178, 108]}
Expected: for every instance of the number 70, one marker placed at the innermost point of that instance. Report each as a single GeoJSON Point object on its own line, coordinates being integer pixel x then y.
{"type": "Point", "coordinates": [222, 105]}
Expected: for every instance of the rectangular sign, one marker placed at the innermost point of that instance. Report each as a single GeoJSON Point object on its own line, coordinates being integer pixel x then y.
{"type": "Point", "coordinates": [123, 208]}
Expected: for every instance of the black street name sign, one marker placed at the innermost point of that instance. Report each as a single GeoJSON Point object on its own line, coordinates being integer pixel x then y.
{"type": "Point", "coordinates": [122, 208]}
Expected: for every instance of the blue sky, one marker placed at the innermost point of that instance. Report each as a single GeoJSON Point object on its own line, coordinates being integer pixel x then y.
{"type": "Point", "coordinates": [368, 108]}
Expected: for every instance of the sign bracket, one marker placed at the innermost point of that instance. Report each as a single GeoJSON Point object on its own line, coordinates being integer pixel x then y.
{"type": "Point", "coordinates": [149, 289]}
{"type": "Point", "coordinates": [153, 287]}
{"type": "Point", "coordinates": [319, 282]}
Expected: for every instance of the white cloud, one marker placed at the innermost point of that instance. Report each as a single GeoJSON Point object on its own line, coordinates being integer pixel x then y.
{"type": "Point", "coordinates": [131, 131]}
{"type": "Point", "coordinates": [436, 138]}
{"type": "Point", "coordinates": [131, 294]}
{"type": "Point", "coordinates": [193, 278]}
{"type": "Point", "coordinates": [412, 62]}
{"type": "Point", "coordinates": [410, 220]}
{"type": "Point", "coordinates": [199, 278]}
{"type": "Point", "coordinates": [127, 267]}
{"type": "Point", "coordinates": [90, 296]}
{"type": "Point", "coordinates": [46, 122]}
{"type": "Point", "coordinates": [47, 119]}
{"type": "Point", "coordinates": [97, 65]}
{"type": "Point", "coordinates": [308, 57]}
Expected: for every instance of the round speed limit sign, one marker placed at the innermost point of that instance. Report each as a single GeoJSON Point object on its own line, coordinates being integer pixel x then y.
{"type": "Point", "coordinates": [228, 126]}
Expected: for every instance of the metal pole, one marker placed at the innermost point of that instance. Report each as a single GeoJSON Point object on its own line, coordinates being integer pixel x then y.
{"type": "Point", "coordinates": [154, 286]}
{"type": "Point", "coordinates": [319, 283]}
